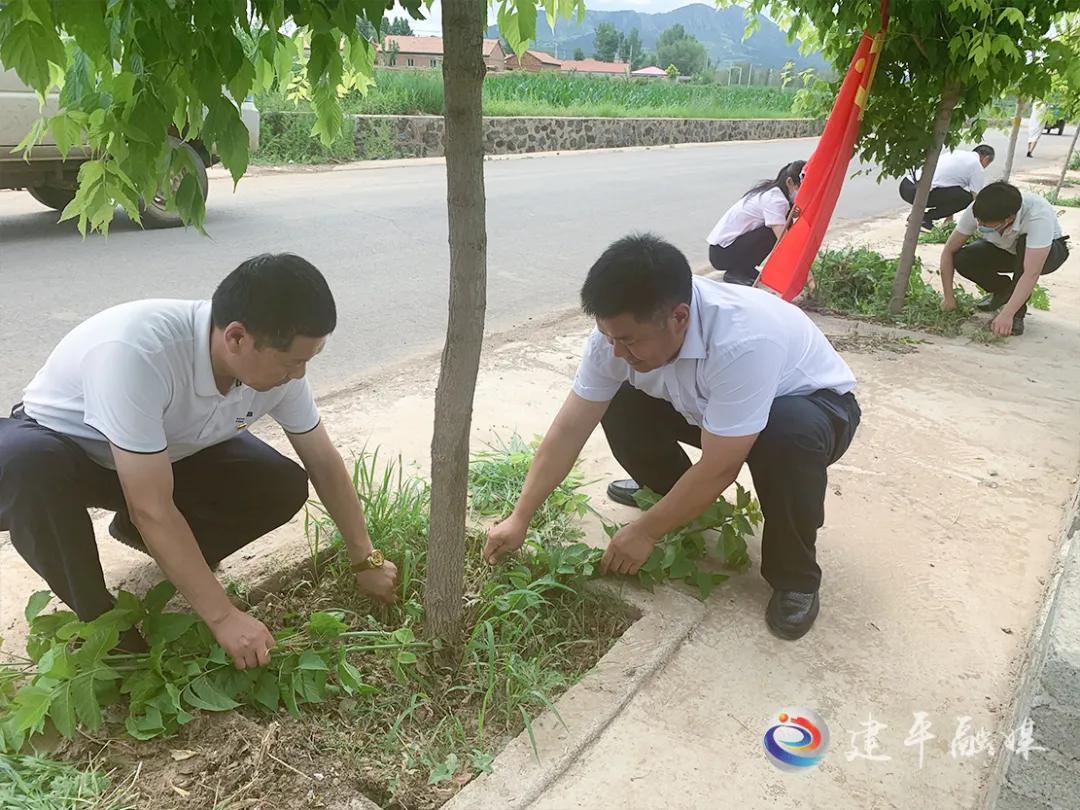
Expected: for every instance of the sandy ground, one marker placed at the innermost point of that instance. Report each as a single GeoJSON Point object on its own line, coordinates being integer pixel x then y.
{"type": "Point", "coordinates": [941, 525]}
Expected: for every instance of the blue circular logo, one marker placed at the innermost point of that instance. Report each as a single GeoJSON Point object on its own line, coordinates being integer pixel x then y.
{"type": "Point", "coordinates": [797, 741]}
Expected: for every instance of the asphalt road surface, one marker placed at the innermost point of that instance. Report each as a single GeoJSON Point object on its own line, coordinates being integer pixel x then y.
{"type": "Point", "coordinates": [379, 235]}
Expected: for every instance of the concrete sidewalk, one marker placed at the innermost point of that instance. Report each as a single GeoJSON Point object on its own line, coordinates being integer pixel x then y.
{"type": "Point", "coordinates": [942, 526]}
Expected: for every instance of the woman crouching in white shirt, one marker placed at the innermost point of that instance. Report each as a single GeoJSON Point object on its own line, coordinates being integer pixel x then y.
{"type": "Point", "coordinates": [749, 230]}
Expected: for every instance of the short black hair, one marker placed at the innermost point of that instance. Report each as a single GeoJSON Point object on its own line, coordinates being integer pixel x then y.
{"type": "Point", "coordinates": [276, 296]}
{"type": "Point", "coordinates": [640, 274]}
{"type": "Point", "coordinates": [997, 202]}
{"type": "Point", "coordinates": [985, 150]}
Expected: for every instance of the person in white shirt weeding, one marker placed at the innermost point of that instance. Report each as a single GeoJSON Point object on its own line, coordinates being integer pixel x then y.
{"type": "Point", "coordinates": [144, 410]}
{"type": "Point", "coordinates": [959, 176]}
{"type": "Point", "coordinates": [743, 375]}
{"type": "Point", "coordinates": [750, 229]}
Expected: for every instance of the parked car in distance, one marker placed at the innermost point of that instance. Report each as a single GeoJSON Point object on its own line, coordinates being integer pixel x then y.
{"type": "Point", "coordinates": [51, 179]}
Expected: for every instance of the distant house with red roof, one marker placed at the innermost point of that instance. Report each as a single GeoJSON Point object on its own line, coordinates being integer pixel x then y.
{"type": "Point", "coordinates": [427, 52]}
{"type": "Point", "coordinates": [594, 67]}
{"type": "Point", "coordinates": [651, 72]}
{"type": "Point", "coordinates": [533, 61]}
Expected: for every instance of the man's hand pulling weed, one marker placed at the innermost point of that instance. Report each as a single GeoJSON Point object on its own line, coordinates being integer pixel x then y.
{"type": "Point", "coordinates": [627, 551]}
{"type": "Point", "coordinates": [379, 583]}
{"type": "Point", "coordinates": [245, 639]}
{"type": "Point", "coordinates": [505, 538]}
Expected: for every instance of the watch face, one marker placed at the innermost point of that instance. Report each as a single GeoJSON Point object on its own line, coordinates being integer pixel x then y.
{"type": "Point", "coordinates": [377, 558]}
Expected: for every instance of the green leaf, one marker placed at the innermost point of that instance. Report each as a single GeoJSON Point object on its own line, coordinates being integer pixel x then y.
{"type": "Point", "coordinates": [680, 567]}
{"type": "Point", "coordinates": [66, 131]}
{"type": "Point", "coordinates": [36, 603]}
{"type": "Point", "coordinates": [350, 679]}
{"type": "Point", "coordinates": [55, 663]}
{"type": "Point", "coordinates": [33, 137]}
{"type": "Point", "coordinates": [326, 625]}
{"type": "Point", "coordinates": [403, 635]}
{"type": "Point", "coordinates": [704, 581]}
{"type": "Point", "coordinates": [203, 694]}
{"type": "Point", "coordinates": [28, 48]}
{"type": "Point", "coordinates": [87, 707]}
{"type": "Point", "coordinates": [30, 705]}
{"type": "Point", "coordinates": [311, 660]}
{"type": "Point", "coordinates": [224, 129]}
{"type": "Point", "coordinates": [240, 84]}
{"type": "Point", "coordinates": [405, 658]}
{"type": "Point", "coordinates": [266, 691]}
{"type": "Point", "coordinates": [289, 685]}
{"type": "Point", "coordinates": [166, 628]}
{"type": "Point", "coordinates": [85, 20]}
{"type": "Point", "coordinates": [62, 711]}
{"type": "Point", "coordinates": [157, 597]}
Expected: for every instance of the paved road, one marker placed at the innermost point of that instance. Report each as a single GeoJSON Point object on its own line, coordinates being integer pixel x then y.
{"type": "Point", "coordinates": [380, 237]}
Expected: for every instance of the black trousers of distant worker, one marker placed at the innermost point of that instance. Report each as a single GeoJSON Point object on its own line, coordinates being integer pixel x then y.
{"type": "Point", "coordinates": [942, 202]}
{"type": "Point", "coordinates": [739, 261]}
{"type": "Point", "coordinates": [788, 463]}
{"type": "Point", "coordinates": [230, 494]}
{"type": "Point", "coordinates": [997, 271]}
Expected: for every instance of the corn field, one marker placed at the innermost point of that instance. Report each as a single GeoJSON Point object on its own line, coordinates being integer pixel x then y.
{"type": "Point", "coordinates": [420, 93]}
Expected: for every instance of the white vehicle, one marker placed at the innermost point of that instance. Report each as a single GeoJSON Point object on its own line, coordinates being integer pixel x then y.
{"type": "Point", "coordinates": [51, 179]}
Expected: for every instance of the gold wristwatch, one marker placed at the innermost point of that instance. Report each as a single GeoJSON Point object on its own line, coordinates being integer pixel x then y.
{"type": "Point", "coordinates": [374, 560]}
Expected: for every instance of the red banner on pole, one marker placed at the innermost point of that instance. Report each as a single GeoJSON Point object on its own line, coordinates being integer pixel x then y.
{"type": "Point", "coordinates": [786, 271]}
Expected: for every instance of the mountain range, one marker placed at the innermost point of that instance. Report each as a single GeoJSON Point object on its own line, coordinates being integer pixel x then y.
{"type": "Point", "coordinates": [719, 30]}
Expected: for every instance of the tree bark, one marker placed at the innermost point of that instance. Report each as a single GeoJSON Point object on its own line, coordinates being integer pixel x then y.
{"type": "Point", "coordinates": [1011, 153]}
{"type": "Point", "coordinates": [949, 97]}
{"type": "Point", "coordinates": [463, 22]}
{"type": "Point", "coordinates": [1068, 160]}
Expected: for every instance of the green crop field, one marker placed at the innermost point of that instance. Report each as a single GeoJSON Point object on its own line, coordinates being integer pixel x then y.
{"type": "Point", "coordinates": [420, 92]}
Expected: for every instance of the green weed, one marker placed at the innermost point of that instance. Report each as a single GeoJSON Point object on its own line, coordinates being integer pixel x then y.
{"type": "Point", "coordinates": [40, 783]}
{"type": "Point", "coordinates": [938, 235]}
{"type": "Point", "coordinates": [1040, 298]}
{"type": "Point", "coordinates": [285, 137]}
{"type": "Point", "coordinates": [858, 281]}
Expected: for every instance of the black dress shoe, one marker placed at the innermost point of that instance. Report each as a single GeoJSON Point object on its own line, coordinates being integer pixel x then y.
{"type": "Point", "coordinates": [991, 302]}
{"type": "Point", "coordinates": [1018, 325]}
{"type": "Point", "coordinates": [122, 529]}
{"type": "Point", "coordinates": [623, 492]}
{"type": "Point", "coordinates": [790, 613]}
{"type": "Point", "coordinates": [744, 281]}
{"type": "Point", "coordinates": [927, 225]}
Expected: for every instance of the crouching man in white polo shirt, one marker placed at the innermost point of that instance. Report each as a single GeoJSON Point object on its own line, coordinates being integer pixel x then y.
{"type": "Point", "coordinates": [143, 410]}
{"type": "Point", "coordinates": [1019, 240]}
{"type": "Point", "coordinates": [741, 374]}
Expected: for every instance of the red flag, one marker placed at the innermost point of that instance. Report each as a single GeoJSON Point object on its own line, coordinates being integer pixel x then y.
{"type": "Point", "coordinates": [786, 271]}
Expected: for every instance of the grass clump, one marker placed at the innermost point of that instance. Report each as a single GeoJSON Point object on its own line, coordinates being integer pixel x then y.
{"type": "Point", "coordinates": [938, 235]}
{"type": "Point", "coordinates": [1068, 202]}
{"type": "Point", "coordinates": [285, 137]}
{"type": "Point", "coordinates": [858, 281]}
{"type": "Point", "coordinates": [40, 783]}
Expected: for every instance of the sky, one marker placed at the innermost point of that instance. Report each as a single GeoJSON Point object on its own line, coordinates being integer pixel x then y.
{"type": "Point", "coordinates": [433, 25]}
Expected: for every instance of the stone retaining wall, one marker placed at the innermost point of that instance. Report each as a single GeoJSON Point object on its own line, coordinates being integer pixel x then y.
{"type": "Point", "coordinates": [387, 136]}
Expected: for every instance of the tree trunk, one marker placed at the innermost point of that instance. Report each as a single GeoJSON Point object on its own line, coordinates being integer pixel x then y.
{"type": "Point", "coordinates": [949, 97]}
{"type": "Point", "coordinates": [1068, 160]}
{"type": "Point", "coordinates": [1017, 119]}
{"type": "Point", "coordinates": [463, 22]}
